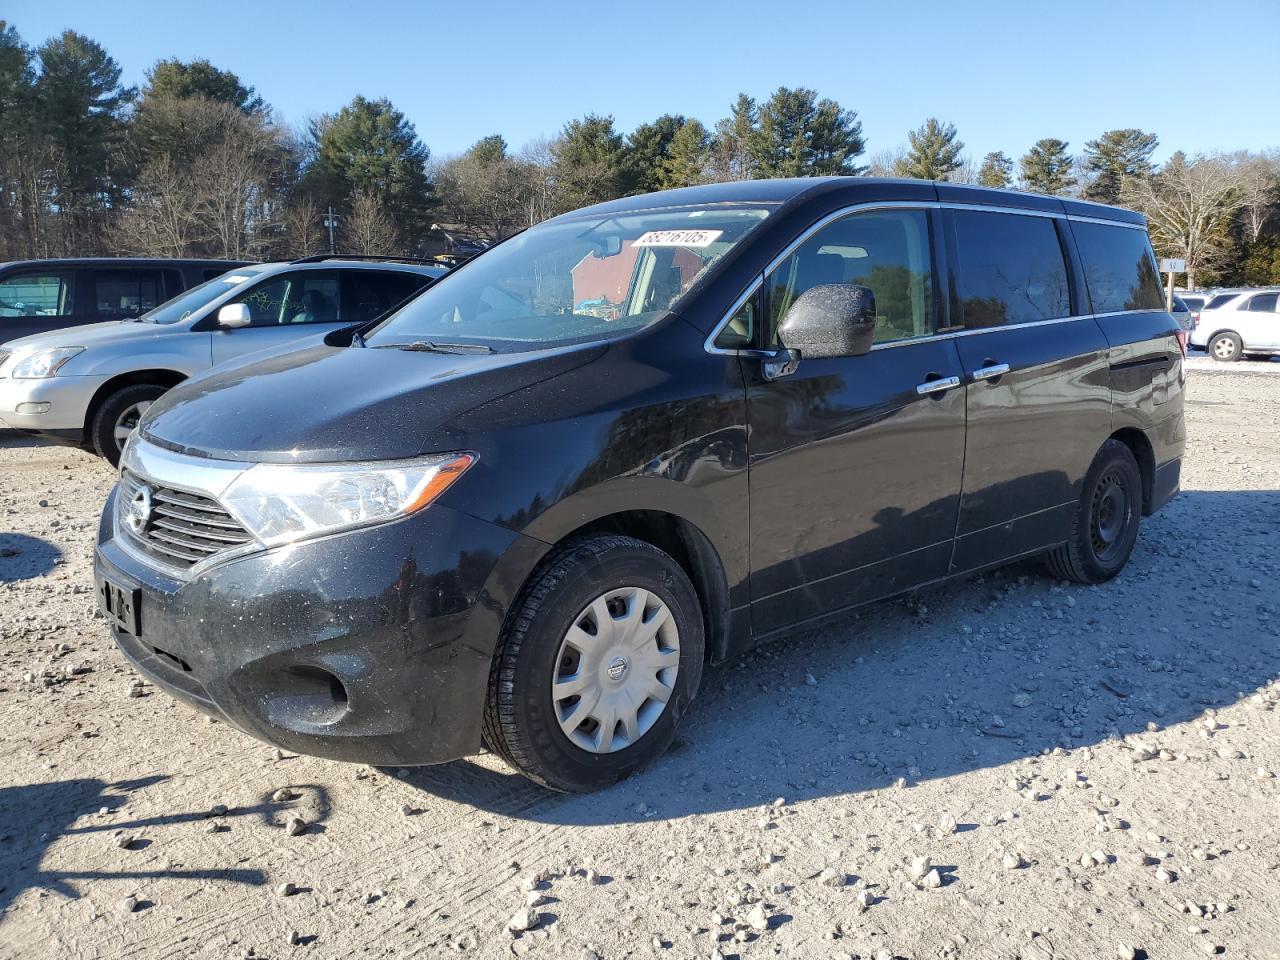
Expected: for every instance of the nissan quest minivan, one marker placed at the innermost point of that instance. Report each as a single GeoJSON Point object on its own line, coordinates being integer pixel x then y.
{"type": "Point", "coordinates": [528, 508]}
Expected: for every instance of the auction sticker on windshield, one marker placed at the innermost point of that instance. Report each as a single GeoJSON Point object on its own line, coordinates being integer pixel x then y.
{"type": "Point", "coordinates": [677, 238]}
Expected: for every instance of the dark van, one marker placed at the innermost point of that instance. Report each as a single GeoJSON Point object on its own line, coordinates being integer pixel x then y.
{"type": "Point", "coordinates": [528, 508]}
{"type": "Point", "coordinates": [37, 296]}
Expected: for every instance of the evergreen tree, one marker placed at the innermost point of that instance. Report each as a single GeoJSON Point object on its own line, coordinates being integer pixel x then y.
{"type": "Point", "coordinates": [591, 163]}
{"type": "Point", "coordinates": [799, 135]}
{"type": "Point", "coordinates": [996, 170]}
{"type": "Point", "coordinates": [648, 149]}
{"type": "Point", "coordinates": [1117, 156]}
{"type": "Point", "coordinates": [80, 109]}
{"type": "Point", "coordinates": [1046, 167]}
{"type": "Point", "coordinates": [370, 148]}
{"type": "Point", "coordinates": [200, 78]}
{"type": "Point", "coordinates": [687, 157]}
{"type": "Point", "coordinates": [489, 149]}
{"type": "Point", "coordinates": [935, 151]}
{"type": "Point", "coordinates": [735, 146]}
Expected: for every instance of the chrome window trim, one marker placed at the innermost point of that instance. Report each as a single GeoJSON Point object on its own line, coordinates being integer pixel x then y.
{"type": "Point", "coordinates": [758, 281]}
{"type": "Point", "coordinates": [1107, 223]}
{"type": "Point", "coordinates": [955, 334]}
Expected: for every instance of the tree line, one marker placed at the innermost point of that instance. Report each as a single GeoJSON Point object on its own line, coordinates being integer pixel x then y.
{"type": "Point", "coordinates": [193, 163]}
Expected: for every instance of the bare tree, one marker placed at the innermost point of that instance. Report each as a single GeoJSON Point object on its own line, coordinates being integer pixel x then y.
{"type": "Point", "coordinates": [303, 231]}
{"type": "Point", "coordinates": [162, 220]}
{"type": "Point", "coordinates": [369, 229]}
{"type": "Point", "coordinates": [887, 163]}
{"type": "Point", "coordinates": [1189, 207]}
{"type": "Point", "coordinates": [1258, 179]}
{"type": "Point", "coordinates": [537, 163]}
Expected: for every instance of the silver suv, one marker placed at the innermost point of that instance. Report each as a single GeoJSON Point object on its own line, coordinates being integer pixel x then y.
{"type": "Point", "coordinates": [89, 385]}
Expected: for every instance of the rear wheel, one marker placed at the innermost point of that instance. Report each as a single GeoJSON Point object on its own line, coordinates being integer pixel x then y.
{"type": "Point", "coordinates": [602, 657]}
{"type": "Point", "coordinates": [118, 417]}
{"type": "Point", "coordinates": [1226, 346]}
{"type": "Point", "coordinates": [1104, 524]}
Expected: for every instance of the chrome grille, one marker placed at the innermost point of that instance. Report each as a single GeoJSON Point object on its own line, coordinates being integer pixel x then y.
{"type": "Point", "coordinates": [183, 528]}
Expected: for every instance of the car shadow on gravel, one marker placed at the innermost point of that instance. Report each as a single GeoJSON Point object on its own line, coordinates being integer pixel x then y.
{"type": "Point", "coordinates": [62, 809]}
{"type": "Point", "coordinates": [24, 558]}
{"type": "Point", "coordinates": [974, 674]}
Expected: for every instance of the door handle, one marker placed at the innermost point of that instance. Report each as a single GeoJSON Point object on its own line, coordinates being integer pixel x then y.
{"type": "Point", "coordinates": [991, 371]}
{"type": "Point", "coordinates": [940, 385]}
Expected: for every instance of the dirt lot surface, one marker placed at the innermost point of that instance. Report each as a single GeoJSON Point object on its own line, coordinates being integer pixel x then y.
{"type": "Point", "coordinates": [1090, 773]}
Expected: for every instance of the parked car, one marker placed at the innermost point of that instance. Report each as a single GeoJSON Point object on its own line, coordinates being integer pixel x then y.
{"type": "Point", "coordinates": [1194, 301]}
{"type": "Point", "coordinates": [89, 385]}
{"type": "Point", "coordinates": [1238, 323]}
{"type": "Point", "coordinates": [37, 296]}
{"type": "Point", "coordinates": [1182, 313]}
{"type": "Point", "coordinates": [497, 518]}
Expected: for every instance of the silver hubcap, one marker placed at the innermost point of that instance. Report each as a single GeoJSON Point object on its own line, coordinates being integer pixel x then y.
{"type": "Point", "coordinates": [1224, 348]}
{"type": "Point", "coordinates": [616, 670]}
{"type": "Point", "coordinates": [127, 422]}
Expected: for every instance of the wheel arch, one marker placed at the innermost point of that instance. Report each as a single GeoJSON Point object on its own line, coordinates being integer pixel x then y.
{"type": "Point", "coordinates": [1140, 446]}
{"type": "Point", "coordinates": [676, 536]}
{"type": "Point", "coordinates": [159, 376]}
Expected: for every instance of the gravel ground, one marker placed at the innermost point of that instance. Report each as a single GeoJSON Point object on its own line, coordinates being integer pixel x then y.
{"type": "Point", "coordinates": [1007, 767]}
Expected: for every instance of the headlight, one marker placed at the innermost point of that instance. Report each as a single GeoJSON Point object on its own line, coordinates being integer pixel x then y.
{"type": "Point", "coordinates": [280, 503]}
{"type": "Point", "coordinates": [43, 363]}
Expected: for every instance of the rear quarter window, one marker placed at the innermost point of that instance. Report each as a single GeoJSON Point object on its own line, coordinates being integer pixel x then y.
{"type": "Point", "coordinates": [1221, 300]}
{"type": "Point", "coordinates": [1119, 268]}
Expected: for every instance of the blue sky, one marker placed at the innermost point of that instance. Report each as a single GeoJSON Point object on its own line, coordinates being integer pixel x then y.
{"type": "Point", "coordinates": [1006, 73]}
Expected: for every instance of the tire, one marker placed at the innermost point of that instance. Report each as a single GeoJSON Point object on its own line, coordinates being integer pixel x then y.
{"type": "Point", "coordinates": [526, 725]}
{"type": "Point", "coordinates": [1104, 524]}
{"type": "Point", "coordinates": [115, 413]}
{"type": "Point", "coordinates": [1226, 346]}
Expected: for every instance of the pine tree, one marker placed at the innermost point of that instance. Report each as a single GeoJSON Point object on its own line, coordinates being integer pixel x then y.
{"type": "Point", "coordinates": [736, 146]}
{"type": "Point", "coordinates": [80, 109]}
{"type": "Point", "coordinates": [688, 156]}
{"type": "Point", "coordinates": [802, 136]}
{"type": "Point", "coordinates": [934, 153]}
{"type": "Point", "coordinates": [1117, 156]}
{"type": "Point", "coordinates": [648, 148]}
{"type": "Point", "coordinates": [1046, 167]}
{"type": "Point", "coordinates": [369, 147]}
{"type": "Point", "coordinates": [591, 163]}
{"type": "Point", "coordinates": [200, 78]}
{"type": "Point", "coordinates": [996, 170]}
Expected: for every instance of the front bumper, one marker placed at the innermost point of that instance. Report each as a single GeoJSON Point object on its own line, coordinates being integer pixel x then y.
{"type": "Point", "coordinates": [372, 646]}
{"type": "Point", "coordinates": [62, 402]}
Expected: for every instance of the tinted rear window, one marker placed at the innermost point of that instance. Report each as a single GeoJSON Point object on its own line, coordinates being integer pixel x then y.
{"type": "Point", "coordinates": [1009, 269]}
{"type": "Point", "coordinates": [1119, 267]}
{"type": "Point", "coordinates": [1221, 300]}
{"type": "Point", "coordinates": [1192, 303]}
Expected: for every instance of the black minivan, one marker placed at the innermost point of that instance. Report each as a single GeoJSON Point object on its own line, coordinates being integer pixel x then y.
{"type": "Point", "coordinates": [37, 296]}
{"type": "Point", "coordinates": [526, 509]}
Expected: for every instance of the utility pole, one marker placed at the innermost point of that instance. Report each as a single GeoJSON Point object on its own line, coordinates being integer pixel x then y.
{"type": "Point", "coordinates": [331, 224]}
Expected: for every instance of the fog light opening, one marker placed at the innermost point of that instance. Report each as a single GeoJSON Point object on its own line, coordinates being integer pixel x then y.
{"type": "Point", "coordinates": [30, 408]}
{"type": "Point", "coordinates": [314, 695]}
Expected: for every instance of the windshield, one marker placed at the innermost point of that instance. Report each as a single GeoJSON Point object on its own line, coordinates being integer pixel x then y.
{"type": "Point", "coordinates": [577, 279]}
{"type": "Point", "coordinates": [185, 304]}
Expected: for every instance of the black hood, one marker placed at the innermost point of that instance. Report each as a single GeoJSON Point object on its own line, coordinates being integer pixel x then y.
{"type": "Point", "coordinates": [342, 403]}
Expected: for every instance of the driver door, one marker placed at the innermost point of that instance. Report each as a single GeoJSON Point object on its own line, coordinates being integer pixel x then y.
{"type": "Point", "coordinates": [855, 462]}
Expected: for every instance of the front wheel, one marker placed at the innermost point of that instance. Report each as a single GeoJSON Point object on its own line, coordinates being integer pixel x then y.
{"type": "Point", "coordinates": [1104, 523]}
{"type": "Point", "coordinates": [601, 658]}
{"type": "Point", "coordinates": [1226, 346]}
{"type": "Point", "coordinates": [117, 417]}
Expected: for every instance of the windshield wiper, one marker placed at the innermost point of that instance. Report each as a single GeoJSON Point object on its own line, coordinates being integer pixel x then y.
{"type": "Point", "coordinates": [430, 346]}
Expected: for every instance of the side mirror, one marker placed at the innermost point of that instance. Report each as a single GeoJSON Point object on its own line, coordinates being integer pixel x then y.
{"type": "Point", "coordinates": [830, 320]}
{"type": "Point", "coordinates": [234, 315]}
